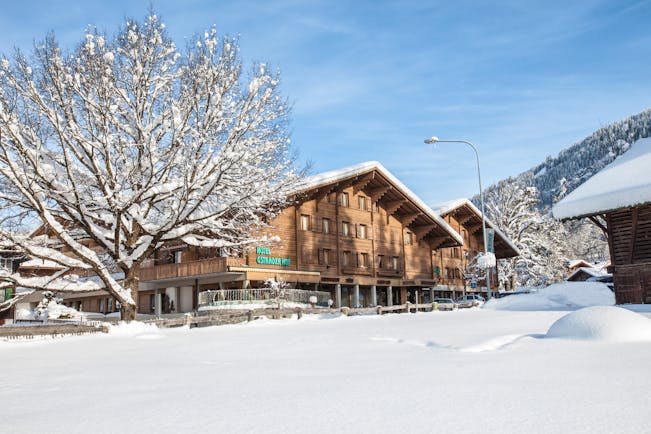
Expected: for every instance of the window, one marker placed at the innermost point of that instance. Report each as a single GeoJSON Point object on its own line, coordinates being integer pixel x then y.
{"type": "Point", "coordinates": [363, 260]}
{"type": "Point", "coordinates": [177, 256]}
{"type": "Point", "coordinates": [361, 202]}
{"type": "Point", "coordinates": [305, 222]}
{"type": "Point", "coordinates": [380, 261]}
{"type": "Point", "coordinates": [409, 239]}
{"type": "Point", "coordinates": [345, 229]}
{"type": "Point", "coordinates": [344, 200]}
{"type": "Point", "coordinates": [306, 255]}
{"type": "Point", "coordinates": [327, 256]}
{"type": "Point", "coordinates": [394, 263]}
{"type": "Point", "coordinates": [6, 264]}
{"type": "Point", "coordinates": [361, 231]}
{"type": "Point", "coordinates": [325, 225]}
{"type": "Point", "coordinates": [110, 305]}
{"type": "Point", "coordinates": [374, 208]}
{"type": "Point", "coordinates": [345, 259]}
{"type": "Point", "coordinates": [101, 305]}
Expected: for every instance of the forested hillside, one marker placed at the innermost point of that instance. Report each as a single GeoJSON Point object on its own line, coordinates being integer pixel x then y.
{"type": "Point", "coordinates": [557, 176]}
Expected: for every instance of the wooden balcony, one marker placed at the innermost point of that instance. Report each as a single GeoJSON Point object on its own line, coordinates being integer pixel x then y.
{"type": "Point", "coordinates": [389, 273]}
{"type": "Point", "coordinates": [188, 269]}
{"type": "Point", "coordinates": [363, 271]}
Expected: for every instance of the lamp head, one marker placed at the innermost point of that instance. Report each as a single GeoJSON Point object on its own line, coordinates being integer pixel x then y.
{"type": "Point", "coordinates": [432, 140]}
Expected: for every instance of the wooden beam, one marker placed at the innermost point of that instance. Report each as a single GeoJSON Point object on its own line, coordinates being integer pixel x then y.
{"type": "Point", "coordinates": [633, 234]}
{"type": "Point", "coordinates": [465, 219]}
{"type": "Point", "coordinates": [474, 228]}
{"type": "Point", "coordinates": [408, 219]}
{"type": "Point", "coordinates": [601, 225]}
{"type": "Point", "coordinates": [421, 231]}
{"type": "Point", "coordinates": [437, 242]}
{"type": "Point", "coordinates": [377, 193]}
{"type": "Point", "coordinates": [363, 182]}
{"type": "Point", "coordinates": [393, 206]}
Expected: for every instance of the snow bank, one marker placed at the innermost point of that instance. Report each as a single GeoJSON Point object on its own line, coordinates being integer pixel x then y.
{"type": "Point", "coordinates": [135, 329]}
{"type": "Point", "coordinates": [559, 296]}
{"type": "Point", "coordinates": [602, 323]}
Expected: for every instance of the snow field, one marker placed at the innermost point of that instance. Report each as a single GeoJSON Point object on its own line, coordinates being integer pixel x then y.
{"type": "Point", "coordinates": [559, 296]}
{"type": "Point", "coordinates": [472, 370]}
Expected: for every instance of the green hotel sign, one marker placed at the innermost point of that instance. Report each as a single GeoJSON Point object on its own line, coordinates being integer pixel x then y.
{"type": "Point", "coordinates": [264, 258]}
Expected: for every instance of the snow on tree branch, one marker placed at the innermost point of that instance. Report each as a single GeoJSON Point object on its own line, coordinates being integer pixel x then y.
{"type": "Point", "coordinates": [133, 143]}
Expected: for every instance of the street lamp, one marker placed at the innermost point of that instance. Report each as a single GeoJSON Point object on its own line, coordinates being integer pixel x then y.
{"type": "Point", "coordinates": [432, 140]}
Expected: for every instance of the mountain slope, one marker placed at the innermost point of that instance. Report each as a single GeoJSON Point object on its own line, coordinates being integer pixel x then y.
{"type": "Point", "coordinates": [557, 176]}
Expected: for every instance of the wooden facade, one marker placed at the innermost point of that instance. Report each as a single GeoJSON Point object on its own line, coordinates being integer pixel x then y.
{"type": "Point", "coordinates": [466, 219]}
{"type": "Point", "coordinates": [629, 240]}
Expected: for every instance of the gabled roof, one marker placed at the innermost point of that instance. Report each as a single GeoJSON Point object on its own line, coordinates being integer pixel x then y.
{"type": "Point", "coordinates": [579, 262]}
{"type": "Point", "coordinates": [462, 207]}
{"type": "Point", "coordinates": [391, 194]}
{"type": "Point", "coordinates": [623, 183]}
{"type": "Point", "coordinates": [587, 270]}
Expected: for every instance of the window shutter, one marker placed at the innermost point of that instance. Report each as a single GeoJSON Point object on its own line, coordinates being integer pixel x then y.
{"type": "Point", "coordinates": [314, 224]}
{"type": "Point", "coordinates": [356, 230]}
{"type": "Point", "coordinates": [320, 253]}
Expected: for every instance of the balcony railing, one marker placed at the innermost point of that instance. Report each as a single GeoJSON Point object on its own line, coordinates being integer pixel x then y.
{"type": "Point", "coordinates": [188, 269]}
{"type": "Point", "coordinates": [389, 273]}
{"type": "Point", "coordinates": [365, 271]}
{"type": "Point", "coordinates": [265, 296]}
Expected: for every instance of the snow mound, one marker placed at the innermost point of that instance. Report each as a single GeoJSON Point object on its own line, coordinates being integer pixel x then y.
{"type": "Point", "coordinates": [135, 329]}
{"type": "Point", "coordinates": [559, 296]}
{"type": "Point", "coordinates": [602, 323]}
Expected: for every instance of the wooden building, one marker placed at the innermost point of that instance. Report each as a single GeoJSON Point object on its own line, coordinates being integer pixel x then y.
{"type": "Point", "coordinates": [618, 200]}
{"type": "Point", "coordinates": [466, 219]}
{"type": "Point", "coordinates": [357, 233]}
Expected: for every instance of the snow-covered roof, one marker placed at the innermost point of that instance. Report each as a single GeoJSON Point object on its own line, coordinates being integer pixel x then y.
{"type": "Point", "coordinates": [624, 182]}
{"type": "Point", "coordinates": [40, 263]}
{"type": "Point", "coordinates": [576, 262]}
{"type": "Point", "coordinates": [449, 206]}
{"type": "Point", "coordinates": [333, 176]}
{"type": "Point", "coordinates": [588, 270]}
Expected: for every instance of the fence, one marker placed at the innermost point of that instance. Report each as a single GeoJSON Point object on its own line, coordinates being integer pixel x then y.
{"type": "Point", "coordinates": [266, 296]}
{"type": "Point", "coordinates": [233, 316]}
{"type": "Point", "coordinates": [52, 330]}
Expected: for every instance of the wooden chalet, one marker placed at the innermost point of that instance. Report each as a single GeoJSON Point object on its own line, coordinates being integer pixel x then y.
{"type": "Point", "coordinates": [356, 233]}
{"type": "Point", "coordinates": [466, 219]}
{"type": "Point", "coordinates": [618, 200]}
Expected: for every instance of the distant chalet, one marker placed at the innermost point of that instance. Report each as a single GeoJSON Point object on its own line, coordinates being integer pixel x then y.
{"type": "Point", "coordinates": [618, 200]}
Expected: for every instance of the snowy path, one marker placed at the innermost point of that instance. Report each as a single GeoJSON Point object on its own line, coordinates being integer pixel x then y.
{"type": "Point", "coordinates": [464, 371]}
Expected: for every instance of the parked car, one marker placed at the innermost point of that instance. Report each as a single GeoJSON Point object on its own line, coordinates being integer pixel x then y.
{"type": "Point", "coordinates": [470, 300]}
{"type": "Point", "coordinates": [445, 303]}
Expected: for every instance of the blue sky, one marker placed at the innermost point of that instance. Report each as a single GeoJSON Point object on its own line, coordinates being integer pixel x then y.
{"type": "Point", "coordinates": [370, 80]}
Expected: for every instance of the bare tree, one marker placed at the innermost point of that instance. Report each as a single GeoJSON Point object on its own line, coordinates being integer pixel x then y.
{"type": "Point", "coordinates": [127, 143]}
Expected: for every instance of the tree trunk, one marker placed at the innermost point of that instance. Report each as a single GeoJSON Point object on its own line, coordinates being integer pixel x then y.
{"type": "Point", "coordinates": [131, 281]}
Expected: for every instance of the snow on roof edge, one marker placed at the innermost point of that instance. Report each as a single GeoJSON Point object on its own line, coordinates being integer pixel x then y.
{"type": "Point", "coordinates": [361, 168]}
{"type": "Point", "coordinates": [625, 182]}
{"type": "Point", "coordinates": [588, 270]}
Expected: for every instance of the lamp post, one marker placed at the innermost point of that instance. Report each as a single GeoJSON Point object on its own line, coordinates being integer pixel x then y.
{"type": "Point", "coordinates": [432, 140]}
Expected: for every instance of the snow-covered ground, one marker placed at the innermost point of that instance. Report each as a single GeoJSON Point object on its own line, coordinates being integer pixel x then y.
{"type": "Point", "coordinates": [471, 370]}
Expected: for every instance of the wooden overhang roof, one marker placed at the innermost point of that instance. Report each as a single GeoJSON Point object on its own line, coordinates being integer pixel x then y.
{"type": "Point", "coordinates": [392, 195]}
{"type": "Point", "coordinates": [469, 216]}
